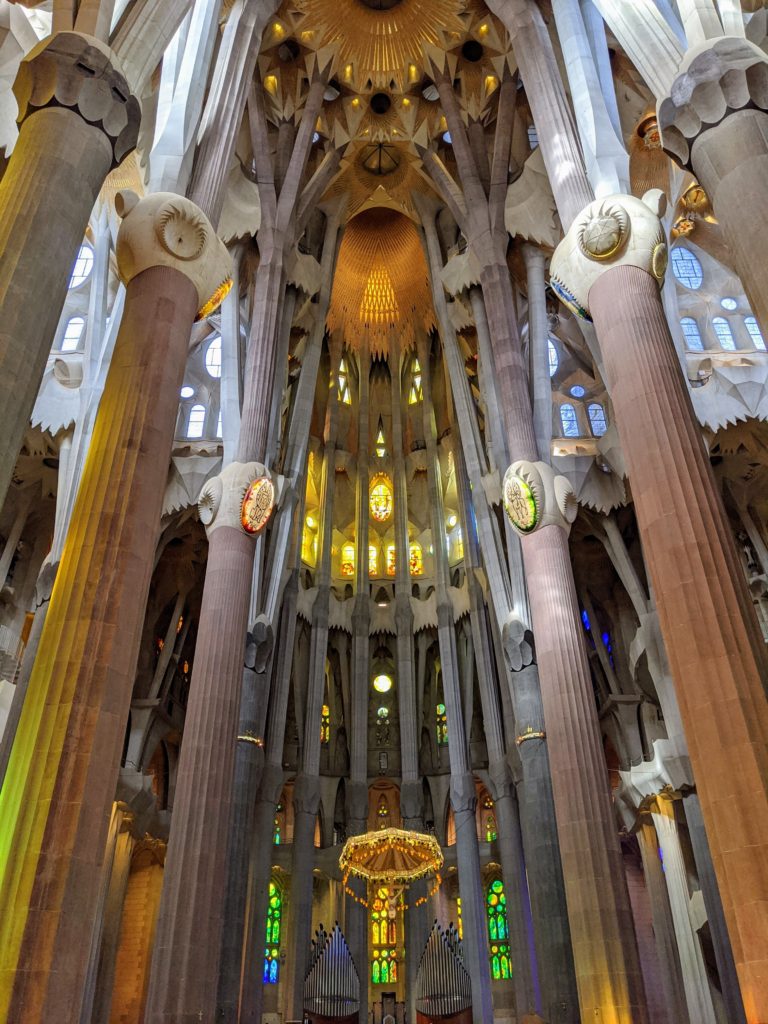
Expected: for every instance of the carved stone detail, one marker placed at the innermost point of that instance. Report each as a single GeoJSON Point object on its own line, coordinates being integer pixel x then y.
{"type": "Point", "coordinates": [716, 79]}
{"type": "Point", "coordinates": [535, 495]}
{"type": "Point", "coordinates": [166, 230]}
{"type": "Point", "coordinates": [221, 499]}
{"type": "Point", "coordinates": [612, 232]}
{"type": "Point", "coordinates": [81, 73]}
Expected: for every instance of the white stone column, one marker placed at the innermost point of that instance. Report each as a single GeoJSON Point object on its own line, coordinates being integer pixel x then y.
{"type": "Point", "coordinates": [694, 973]}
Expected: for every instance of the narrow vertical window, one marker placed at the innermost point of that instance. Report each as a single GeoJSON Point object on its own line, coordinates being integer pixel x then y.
{"type": "Point", "coordinates": [416, 559]}
{"type": "Point", "coordinates": [272, 939]}
{"type": "Point", "coordinates": [325, 724]}
{"type": "Point", "coordinates": [196, 421]}
{"type": "Point", "coordinates": [416, 393]}
{"type": "Point", "coordinates": [441, 725]}
{"type": "Point", "coordinates": [569, 420]}
{"type": "Point", "coordinates": [383, 939]}
{"type": "Point", "coordinates": [213, 357]}
{"type": "Point", "coordinates": [348, 560]}
{"type": "Point", "coordinates": [498, 933]}
{"type": "Point", "coordinates": [724, 333]}
{"type": "Point", "coordinates": [345, 395]}
{"type": "Point", "coordinates": [754, 332]}
{"type": "Point", "coordinates": [73, 332]}
{"type": "Point", "coordinates": [81, 271]}
{"type": "Point", "coordinates": [597, 419]}
{"type": "Point", "coordinates": [692, 334]}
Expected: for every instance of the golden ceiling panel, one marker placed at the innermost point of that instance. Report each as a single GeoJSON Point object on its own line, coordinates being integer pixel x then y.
{"type": "Point", "coordinates": [377, 48]}
{"type": "Point", "coordinates": [381, 285]}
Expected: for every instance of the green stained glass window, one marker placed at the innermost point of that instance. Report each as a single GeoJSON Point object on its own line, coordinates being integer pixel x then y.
{"type": "Point", "coordinates": [272, 938]}
{"type": "Point", "coordinates": [498, 932]}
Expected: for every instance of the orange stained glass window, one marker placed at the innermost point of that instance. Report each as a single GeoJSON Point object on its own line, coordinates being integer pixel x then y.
{"type": "Point", "coordinates": [373, 560]}
{"type": "Point", "coordinates": [381, 498]}
{"type": "Point", "coordinates": [391, 562]}
{"type": "Point", "coordinates": [348, 560]}
{"type": "Point", "coordinates": [416, 559]}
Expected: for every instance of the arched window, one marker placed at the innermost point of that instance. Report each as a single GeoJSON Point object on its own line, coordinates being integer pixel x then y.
{"type": "Point", "coordinates": [391, 560]}
{"type": "Point", "coordinates": [272, 940]}
{"type": "Point", "coordinates": [498, 933]}
{"type": "Point", "coordinates": [383, 938]}
{"type": "Point", "coordinates": [569, 420]}
{"type": "Point", "coordinates": [196, 421]}
{"type": "Point", "coordinates": [81, 271]}
{"type": "Point", "coordinates": [381, 498]}
{"type": "Point", "coordinates": [416, 393]}
{"type": "Point", "coordinates": [309, 539]}
{"type": "Point", "coordinates": [416, 559]}
{"type": "Point", "coordinates": [597, 419]}
{"type": "Point", "coordinates": [73, 332]}
{"type": "Point", "coordinates": [686, 268]}
{"type": "Point", "coordinates": [373, 560]}
{"type": "Point", "coordinates": [348, 560]}
{"type": "Point", "coordinates": [754, 332]}
{"type": "Point", "coordinates": [489, 820]}
{"type": "Point", "coordinates": [441, 725]}
{"type": "Point", "coordinates": [213, 357]}
{"type": "Point", "coordinates": [325, 724]}
{"type": "Point", "coordinates": [692, 334]}
{"type": "Point", "coordinates": [724, 333]}
{"type": "Point", "coordinates": [345, 395]}
{"type": "Point", "coordinates": [554, 358]}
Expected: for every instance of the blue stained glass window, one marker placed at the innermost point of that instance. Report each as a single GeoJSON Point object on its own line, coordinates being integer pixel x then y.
{"type": "Point", "coordinates": [724, 333]}
{"type": "Point", "coordinates": [754, 332]}
{"type": "Point", "coordinates": [692, 334]}
{"type": "Point", "coordinates": [686, 268]}
{"type": "Point", "coordinates": [569, 420]}
{"type": "Point", "coordinates": [597, 419]}
{"type": "Point", "coordinates": [585, 620]}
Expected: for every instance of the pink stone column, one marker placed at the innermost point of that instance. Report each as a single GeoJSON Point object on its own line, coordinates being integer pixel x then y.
{"type": "Point", "coordinates": [78, 120]}
{"type": "Point", "coordinates": [56, 800]}
{"type": "Point", "coordinates": [716, 653]}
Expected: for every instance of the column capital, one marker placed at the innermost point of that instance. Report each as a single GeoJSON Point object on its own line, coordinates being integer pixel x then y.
{"type": "Point", "coordinates": [80, 73]}
{"type": "Point", "coordinates": [617, 231]}
{"type": "Point", "coordinates": [167, 230]}
{"type": "Point", "coordinates": [534, 495]}
{"type": "Point", "coordinates": [716, 79]}
{"type": "Point", "coordinates": [306, 794]}
{"type": "Point", "coordinates": [242, 497]}
{"type": "Point", "coordinates": [463, 793]}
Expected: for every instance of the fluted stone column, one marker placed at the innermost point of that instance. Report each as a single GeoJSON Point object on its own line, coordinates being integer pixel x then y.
{"type": "Point", "coordinates": [716, 652]}
{"type": "Point", "coordinates": [714, 122]}
{"type": "Point", "coordinates": [77, 120]}
{"type": "Point", "coordinates": [694, 973]}
{"type": "Point", "coordinates": [57, 797]}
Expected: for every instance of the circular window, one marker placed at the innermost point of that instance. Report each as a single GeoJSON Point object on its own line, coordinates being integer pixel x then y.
{"type": "Point", "coordinates": [472, 51]}
{"type": "Point", "coordinates": [380, 103]}
{"type": "Point", "coordinates": [187, 391]}
{"type": "Point", "coordinates": [382, 683]}
{"type": "Point", "coordinates": [578, 391]}
{"type": "Point", "coordinates": [729, 303]}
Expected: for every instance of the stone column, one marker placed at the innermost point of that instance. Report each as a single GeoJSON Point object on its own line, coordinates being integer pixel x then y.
{"type": "Point", "coordinates": [77, 121]}
{"type": "Point", "coordinates": [716, 652]}
{"type": "Point", "coordinates": [538, 349]}
{"type": "Point", "coordinates": [663, 928]}
{"type": "Point", "coordinates": [58, 792]}
{"type": "Point", "coordinates": [694, 973]}
{"type": "Point", "coordinates": [714, 122]}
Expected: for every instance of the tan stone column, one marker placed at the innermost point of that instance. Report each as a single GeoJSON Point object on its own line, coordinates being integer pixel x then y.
{"type": "Point", "coordinates": [611, 263]}
{"type": "Point", "coordinates": [56, 800]}
{"type": "Point", "coordinates": [715, 123]}
{"type": "Point", "coordinates": [78, 120]}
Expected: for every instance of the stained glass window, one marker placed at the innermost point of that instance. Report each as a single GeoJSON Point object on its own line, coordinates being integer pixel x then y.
{"type": "Point", "coordinates": [325, 724]}
{"type": "Point", "coordinates": [278, 834]}
{"type": "Point", "coordinates": [213, 357]}
{"type": "Point", "coordinates": [489, 820]}
{"type": "Point", "coordinates": [348, 560]}
{"type": "Point", "coordinates": [441, 721]}
{"type": "Point", "coordinates": [692, 334]}
{"type": "Point", "coordinates": [417, 392]}
{"type": "Point", "coordinates": [569, 420]}
{"type": "Point", "coordinates": [416, 559]}
{"type": "Point", "coordinates": [459, 922]}
{"type": "Point", "coordinates": [381, 500]}
{"type": "Point", "coordinates": [272, 940]}
{"type": "Point", "coordinates": [382, 683]}
{"type": "Point", "coordinates": [498, 933]}
{"type": "Point", "coordinates": [597, 419]}
{"type": "Point", "coordinates": [373, 560]}
{"type": "Point", "coordinates": [383, 939]}
{"type": "Point", "coordinates": [345, 395]}
{"type": "Point", "coordinates": [72, 334]}
{"type": "Point", "coordinates": [686, 267]}
{"type": "Point", "coordinates": [754, 332]}
{"type": "Point", "coordinates": [391, 563]}
{"type": "Point", "coordinates": [554, 358]}
{"type": "Point", "coordinates": [724, 333]}
{"type": "Point", "coordinates": [381, 441]}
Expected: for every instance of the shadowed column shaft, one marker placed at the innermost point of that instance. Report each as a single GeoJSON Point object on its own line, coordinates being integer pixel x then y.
{"type": "Point", "coordinates": [58, 792]}
{"type": "Point", "coordinates": [47, 193]}
{"type": "Point", "coordinates": [716, 653]}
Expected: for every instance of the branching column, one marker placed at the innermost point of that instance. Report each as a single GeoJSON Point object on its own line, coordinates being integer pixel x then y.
{"type": "Point", "coordinates": [58, 792]}
{"type": "Point", "coordinates": [78, 120]}
{"type": "Point", "coordinates": [715, 648]}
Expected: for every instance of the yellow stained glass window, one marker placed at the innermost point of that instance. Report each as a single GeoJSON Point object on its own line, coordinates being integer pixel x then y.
{"type": "Point", "coordinates": [345, 395]}
{"type": "Point", "coordinates": [416, 559]}
{"type": "Point", "coordinates": [391, 564]}
{"type": "Point", "coordinates": [381, 498]}
{"type": "Point", "coordinates": [373, 560]}
{"type": "Point", "coordinates": [416, 393]}
{"type": "Point", "coordinates": [381, 443]}
{"type": "Point", "coordinates": [348, 560]}
{"type": "Point", "coordinates": [325, 724]}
